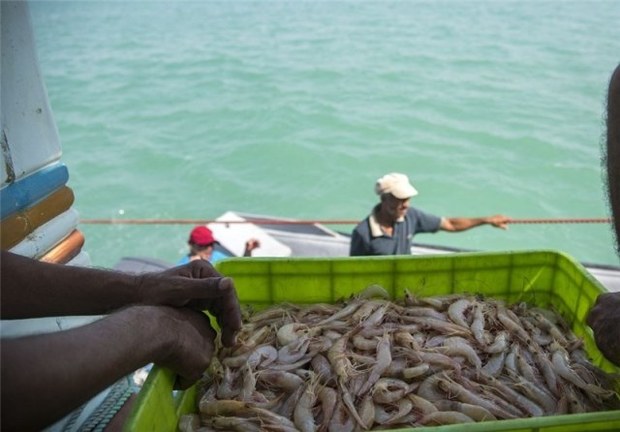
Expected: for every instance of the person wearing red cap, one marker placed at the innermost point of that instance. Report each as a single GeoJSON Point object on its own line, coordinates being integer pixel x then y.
{"type": "Point", "coordinates": [202, 246]}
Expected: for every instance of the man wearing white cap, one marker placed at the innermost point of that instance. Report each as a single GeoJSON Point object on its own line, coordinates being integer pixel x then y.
{"type": "Point", "coordinates": [390, 227]}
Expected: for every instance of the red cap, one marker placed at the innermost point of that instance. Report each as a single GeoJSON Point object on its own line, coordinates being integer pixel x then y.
{"type": "Point", "coordinates": [202, 236]}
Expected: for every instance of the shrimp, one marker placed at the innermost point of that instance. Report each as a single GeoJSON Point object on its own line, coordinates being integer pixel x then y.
{"type": "Point", "coordinates": [549, 327]}
{"type": "Point", "coordinates": [384, 358]}
{"type": "Point", "coordinates": [421, 405]}
{"type": "Point", "coordinates": [535, 393]}
{"type": "Point", "coordinates": [364, 344]}
{"type": "Point", "coordinates": [238, 424]}
{"type": "Point", "coordinates": [521, 401]}
{"type": "Point", "coordinates": [388, 327]}
{"type": "Point", "coordinates": [367, 411]}
{"type": "Point", "coordinates": [562, 368]}
{"type": "Point", "coordinates": [292, 366]}
{"type": "Point", "coordinates": [438, 325]}
{"type": "Point", "coordinates": [456, 311]}
{"type": "Point", "coordinates": [432, 358]}
{"type": "Point", "coordinates": [536, 333]}
{"type": "Point", "coordinates": [499, 344]}
{"type": "Point", "coordinates": [425, 312]}
{"type": "Point", "coordinates": [319, 344]}
{"type": "Point", "coordinates": [478, 324]}
{"type": "Point", "coordinates": [510, 362]}
{"type": "Point", "coordinates": [262, 356]}
{"type": "Point", "coordinates": [249, 383]}
{"type": "Point", "coordinates": [456, 346]}
{"type": "Point", "coordinates": [272, 420]}
{"type": "Point", "coordinates": [342, 313]}
{"type": "Point", "coordinates": [341, 421]}
{"type": "Point", "coordinates": [256, 354]}
{"type": "Point", "coordinates": [302, 415]}
{"type": "Point", "coordinates": [291, 332]}
{"type": "Point", "coordinates": [376, 317]}
{"type": "Point", "coordinates": [435, 341]}
{"type": "Point", "coordinates": [395, 369]}
{"type": "Point", "coordinates": [252, 342]}
{"type": "Point", "coordinates": [445, 417]}
{"type": "Point", "coordinates": [389, 390]}
{"type": "Point", "coordinates": [495, 364]}
{"type": "Point", "coordinates": [383, 417]}
{"type": "Point", "coordinates": [227, 388]}
{"type": "Point", "coordinates": [332, 334]}
{"type": "Point", "coordinates": [503, 315]}
{"type": "Point", "coordinates": [208, 397]}
{"type": "Point", "coordinates": [439, 303]}
{"type": "Point", "coordinates": [294, 351]}
{"type": "Point", "coordinates": [364, 311]}
{"type": "Point", "coordinates": [526, 369]}
{"type": "Point", "coordinates": [464, 395]}
{"type": "Point", "coordinates": [320, 365]}
{"type": "Point", "coordinates": [338, 359]}
{"type": "Point", "coordinates": [373, 290]}
{"type": "Point", "coordinates": [328, 398]}
{"type": "Point", "coordinates": [405, 339]}
{"type": "Point", "coordinates": [223, 407]}
{"type": "Point", "coordinates": [416, 371]}
{"type": "Point", "coordinates": [288, 406]}
{"type": "Point", "coordinates": [476, 412]}
{"type": "Point", "coordinates": [348, 402]}
{"type": "Point", "coordinates": [287, 381]}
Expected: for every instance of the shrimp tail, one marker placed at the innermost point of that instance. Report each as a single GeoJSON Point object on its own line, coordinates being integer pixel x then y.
{"type": "Point", "coordinates": [348, 402]}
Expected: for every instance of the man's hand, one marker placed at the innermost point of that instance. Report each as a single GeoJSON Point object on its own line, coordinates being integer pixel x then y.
{"type": "Point", "coordinates": [190, 343]}
{"type": "Point", "coordinates": [604, 318]}
{"type": "Point", "coordinates": [196, 285]}
{"type": "Point", "coordinates": [499, 221]}
{"type": "Point", "coordinates": [250, 245]}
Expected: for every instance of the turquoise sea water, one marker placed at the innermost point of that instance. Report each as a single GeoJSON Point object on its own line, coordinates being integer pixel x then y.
{"type": "Point", "coordinates": [190, 109]}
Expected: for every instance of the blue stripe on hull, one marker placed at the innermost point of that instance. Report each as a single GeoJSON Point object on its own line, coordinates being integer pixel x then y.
{"type": "Point", "coordinates": [27, 191]}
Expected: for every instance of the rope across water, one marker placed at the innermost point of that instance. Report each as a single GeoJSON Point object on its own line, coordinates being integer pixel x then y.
{"type": "Point", "coordinates": [258, 221]}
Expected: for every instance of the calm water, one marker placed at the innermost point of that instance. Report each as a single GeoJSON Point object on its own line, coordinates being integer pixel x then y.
{"type": "Point", "coordinates": [190, 109]}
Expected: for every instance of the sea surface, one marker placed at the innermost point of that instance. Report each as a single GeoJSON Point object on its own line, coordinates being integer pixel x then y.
{"type": "Point", "coordinates": [294, 109]}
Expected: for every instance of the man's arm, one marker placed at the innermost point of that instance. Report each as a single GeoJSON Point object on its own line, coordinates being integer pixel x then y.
{"type": "Point", "coordinates": [46, 376]}
{"type": "Point", "coordinates": [250, 245]}
{"type": "Point", "coordinates": [457, 224]}
{"type": "Point", "coordinates": [31, 289]}
{"type": "Point", "coordinates": [604, 318]}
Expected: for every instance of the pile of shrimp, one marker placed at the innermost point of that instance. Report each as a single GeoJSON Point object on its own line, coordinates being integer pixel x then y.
{"type": "Point", "coordinates": [371, 363]}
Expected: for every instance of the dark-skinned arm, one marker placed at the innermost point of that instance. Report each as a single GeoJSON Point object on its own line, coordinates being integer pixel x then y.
{"type": "Point", "coordinates": [46, 376]}
{"type": "Point", "coordinates": [31, 289]}
{"type": "Point", "coordinates": [604, 318]}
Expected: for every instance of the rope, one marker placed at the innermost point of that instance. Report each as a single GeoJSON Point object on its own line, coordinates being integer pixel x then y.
{"type": "Point", "coordinates": [558, 221]}
{"type": "Point", "coordinates": [307, 222]}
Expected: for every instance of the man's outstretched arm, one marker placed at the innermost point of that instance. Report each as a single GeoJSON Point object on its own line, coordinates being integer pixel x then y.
{"type": "Point", "coordinates": [456, 224]}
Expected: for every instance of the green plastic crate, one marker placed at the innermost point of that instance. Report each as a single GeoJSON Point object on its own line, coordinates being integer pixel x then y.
{"type": "Point", "coordinates": [548, 279]}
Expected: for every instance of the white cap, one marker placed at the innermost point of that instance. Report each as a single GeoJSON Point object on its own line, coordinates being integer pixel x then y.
{"type": "Point", "coordinates": [396, 184]}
